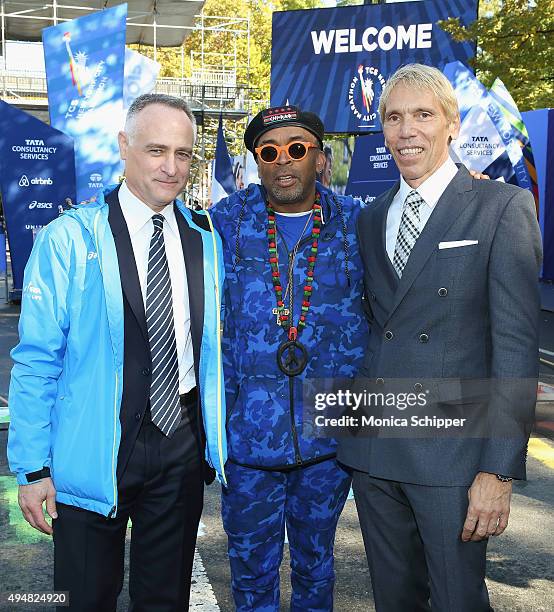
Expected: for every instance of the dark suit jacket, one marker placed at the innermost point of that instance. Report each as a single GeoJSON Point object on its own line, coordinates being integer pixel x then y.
{"type": "Point", "coordinates": [457, 314]}
{"type": "Point", "coordinates": [137, 373]}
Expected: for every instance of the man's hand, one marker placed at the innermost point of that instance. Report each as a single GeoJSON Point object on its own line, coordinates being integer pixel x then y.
{"type": "Point", "coordinates": [30, 500]}
{"type": "Point", "coordinates": [478, 176]}
{"type": "Point", "coordinates": [489, 507]}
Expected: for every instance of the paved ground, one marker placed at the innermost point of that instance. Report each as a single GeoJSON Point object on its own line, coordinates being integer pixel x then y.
{"type": "Point", "coordinates": [520, 571]}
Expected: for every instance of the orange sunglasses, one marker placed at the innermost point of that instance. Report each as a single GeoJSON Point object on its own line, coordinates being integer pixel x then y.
{"type": "Point", "coordinates": [297, 150]}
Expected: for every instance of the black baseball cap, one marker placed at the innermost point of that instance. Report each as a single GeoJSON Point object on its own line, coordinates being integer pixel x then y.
{"type": "Point", "coordinates": [281, 116]}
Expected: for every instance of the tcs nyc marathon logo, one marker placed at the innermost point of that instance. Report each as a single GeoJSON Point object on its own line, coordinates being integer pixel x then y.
{"type": "Point", "coordinates": [362, 94]}
{"type": "Point", "coordinates": [367, 82]}
{"type": "Point", "coordinates": [87, 80]}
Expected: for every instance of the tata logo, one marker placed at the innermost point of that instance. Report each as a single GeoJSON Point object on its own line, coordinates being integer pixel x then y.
{"type": "Point", "coordinates": [363, 93]}
{"type": "Point", "coordinates": [24, 181]}
{"type": "Point", "coordinates": [95, 181]}
{"type": "Point", "coordinates": [92, 255]}
{"type": "Point", "coordinates": [35, 204]}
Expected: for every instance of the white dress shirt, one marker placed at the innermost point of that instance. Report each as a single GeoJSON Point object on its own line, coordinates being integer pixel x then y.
{"type": "Point", "coordinates": [430, 190]}
{"type": "Point", "coordinates": [138, 217]}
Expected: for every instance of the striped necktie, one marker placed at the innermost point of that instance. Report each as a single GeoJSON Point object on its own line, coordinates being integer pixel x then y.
{"type": "Point", "coordinates": [165, 407]}
{"type": "Point", "coordinates": [408, 231]}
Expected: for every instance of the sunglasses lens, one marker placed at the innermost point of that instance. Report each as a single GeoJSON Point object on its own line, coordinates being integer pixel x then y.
{"type": "Point", "coordinates": [297, 150]}
{"type": "Point", "coordinates": [268, 153]}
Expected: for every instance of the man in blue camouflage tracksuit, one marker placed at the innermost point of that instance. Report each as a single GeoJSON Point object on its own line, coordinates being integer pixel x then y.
{"type": "Point", "coordinates": [277, 474]}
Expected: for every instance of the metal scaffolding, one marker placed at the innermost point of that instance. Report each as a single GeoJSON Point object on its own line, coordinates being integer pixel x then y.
{"type": "Point", "coordinates": [212, 82]}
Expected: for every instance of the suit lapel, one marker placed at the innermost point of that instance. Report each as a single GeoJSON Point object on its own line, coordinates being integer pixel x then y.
{"type": "Point", "coordinates": [451, 204]}
{"type": "Point", "coordinates": [193, 253]}
{"type": "Point", "coordinates": [381, 226]}
{"type": "Point", "coordinates": [127, 266]}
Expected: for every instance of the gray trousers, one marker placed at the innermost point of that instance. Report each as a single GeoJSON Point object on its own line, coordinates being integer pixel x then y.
{"type": "Point", "coordinates": [416, 557]}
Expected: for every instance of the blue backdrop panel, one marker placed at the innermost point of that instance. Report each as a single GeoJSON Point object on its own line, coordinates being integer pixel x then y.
{"type": "Point", "coordinates": [37, 173]}
{"type": "Point", "coordinates": [84, 68]}
{"type": "Point", "coordinates": [373, 169]}
{"type": "Point", "coordinates": [540, 125]}
{"type": "Point", "coordinates": [334, 61]}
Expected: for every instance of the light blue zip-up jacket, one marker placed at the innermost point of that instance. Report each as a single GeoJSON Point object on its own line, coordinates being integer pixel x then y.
{"type": "Point", "coordinates": [67, 381]}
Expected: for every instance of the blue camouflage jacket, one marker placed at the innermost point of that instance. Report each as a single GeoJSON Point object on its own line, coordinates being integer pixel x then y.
{"type": "Point", "coordinates": [264, 407]}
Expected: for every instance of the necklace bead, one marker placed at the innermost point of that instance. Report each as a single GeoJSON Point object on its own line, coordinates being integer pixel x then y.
{"type": "Point", "coordinates": [286, 320]}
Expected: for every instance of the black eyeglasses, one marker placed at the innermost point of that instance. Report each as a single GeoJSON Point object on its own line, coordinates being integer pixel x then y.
{"type": "Point", "coordinates": [297, 150]}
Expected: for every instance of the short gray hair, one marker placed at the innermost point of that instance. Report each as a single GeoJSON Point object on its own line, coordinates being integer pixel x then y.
{"type": "Point", "coordinates": [145, 100]}
{"type": "Point", "coordinates": [419, 76]}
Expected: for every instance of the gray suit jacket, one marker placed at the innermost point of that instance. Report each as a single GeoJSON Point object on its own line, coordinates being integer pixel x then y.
{"type": "Point", "coordinates": [457, 314]}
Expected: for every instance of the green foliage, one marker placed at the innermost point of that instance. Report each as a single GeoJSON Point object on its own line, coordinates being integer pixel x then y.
{"type": "Point", "coordinates": [253, 71]}
{"type": "Point", "coordinates": [514, 42]}
{"type": "Point", "coordinates": [293, 5]}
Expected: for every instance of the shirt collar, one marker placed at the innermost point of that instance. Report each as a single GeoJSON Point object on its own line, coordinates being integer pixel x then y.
{"type": "Point", "coordinates": [432, 188]}
{"type": "Point", "coordinates": [137, 214]}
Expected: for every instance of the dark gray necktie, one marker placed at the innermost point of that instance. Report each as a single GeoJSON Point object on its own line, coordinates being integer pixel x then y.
{"type": "Point", "coordinates": [408, 232]}
{"type": "Point", "coordinates": [164, 390]}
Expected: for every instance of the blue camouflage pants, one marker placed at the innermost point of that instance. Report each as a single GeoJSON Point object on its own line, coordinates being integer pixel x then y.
{"type": "Point", "coordinates": [256, 504]}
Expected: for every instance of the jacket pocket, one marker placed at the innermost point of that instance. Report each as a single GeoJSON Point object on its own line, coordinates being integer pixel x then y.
{"type": "Point", "coordinates": [232, 409]}
{"type": "Point", "coordinates": [463, 251]}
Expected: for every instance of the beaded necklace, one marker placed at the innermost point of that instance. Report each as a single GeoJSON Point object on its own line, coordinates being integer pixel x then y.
{"type": "Point", "coordinates": [284, 315]}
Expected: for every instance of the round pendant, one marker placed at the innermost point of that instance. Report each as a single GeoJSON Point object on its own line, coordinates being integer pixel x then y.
{"type": "Point", "coordinates": [292, 358]}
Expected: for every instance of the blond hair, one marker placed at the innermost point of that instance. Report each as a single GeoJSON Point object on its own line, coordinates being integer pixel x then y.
{"type": "Point", "coordinates": [419, 76]}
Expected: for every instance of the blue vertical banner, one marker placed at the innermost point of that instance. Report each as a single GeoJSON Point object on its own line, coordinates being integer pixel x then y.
{"type": "Point", "coordinates": [482, 121]}
{"type": "Point", "coordinates": [141, 74]}
{"type": "Point", "coordinates": [37, 175]}
{"type": "Point", "coordinates": [540, 125]}
{"type": "Point", "coordinates": [335, 61]}
{"type": "Point", "coordinates": [507, 105]}
{"type": "Point", "coordinates": [373, 170]}
{"type": "Point", "coordinates": [223, 181]}
{"type": "Point", "coordinates": [85, 61]}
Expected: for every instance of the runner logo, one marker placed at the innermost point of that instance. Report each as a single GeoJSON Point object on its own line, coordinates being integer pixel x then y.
{"type": "Point", "coordinates": [35, 292]}
{"type": "Point", "coordinates": [363, 94]}
{"type": "Point", "coordinates": [24, 181]}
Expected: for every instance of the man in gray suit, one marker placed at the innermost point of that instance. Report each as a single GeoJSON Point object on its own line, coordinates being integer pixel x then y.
{"type": "Point", "coordinates": [451, 271]}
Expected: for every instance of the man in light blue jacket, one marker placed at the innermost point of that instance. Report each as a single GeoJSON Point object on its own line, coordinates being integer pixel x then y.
{"type": "Point", "coordinates": [116, 398]}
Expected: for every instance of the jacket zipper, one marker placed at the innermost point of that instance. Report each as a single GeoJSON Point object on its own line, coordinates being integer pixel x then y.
{"type": "Point", "coordinates": [220, 389]}
{"type": "Point", "coordinates": [113, 511]}
{"type": "Point", "coordinates": [297, 455]}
